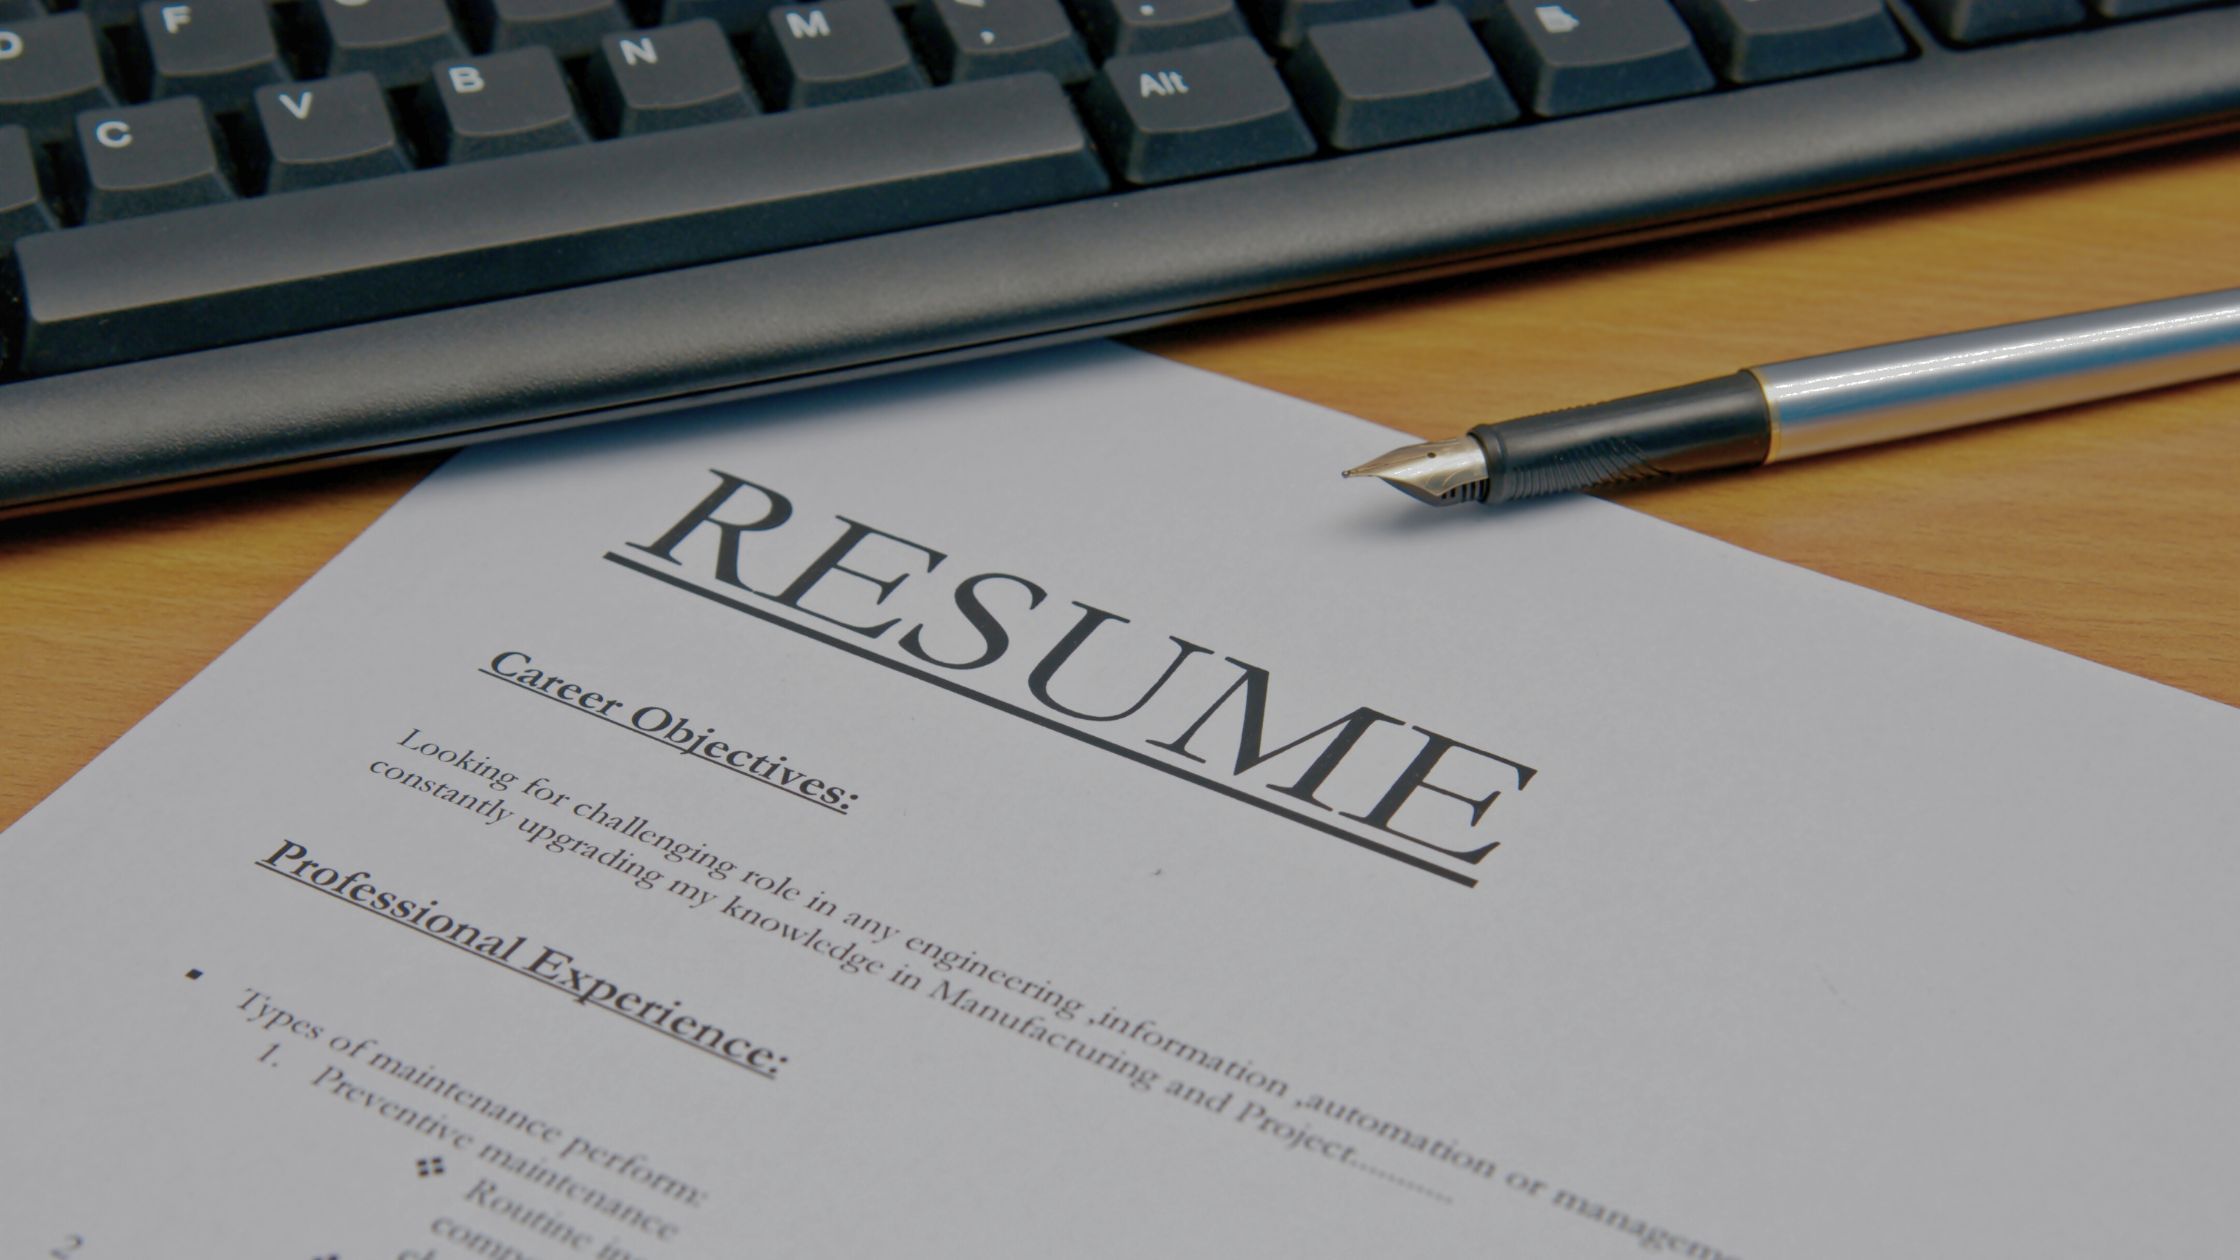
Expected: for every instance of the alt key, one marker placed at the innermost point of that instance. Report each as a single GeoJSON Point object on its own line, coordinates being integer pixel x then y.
{"type": "Point", "coordinates": [1194, 111]}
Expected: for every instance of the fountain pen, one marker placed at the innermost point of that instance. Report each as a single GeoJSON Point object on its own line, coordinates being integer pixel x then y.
{"type": "Point", "coordinates": [1829, 402]}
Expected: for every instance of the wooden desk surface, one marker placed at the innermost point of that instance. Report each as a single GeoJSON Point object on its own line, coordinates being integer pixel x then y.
{"type": "Point", "coordinates": [2111, 531]}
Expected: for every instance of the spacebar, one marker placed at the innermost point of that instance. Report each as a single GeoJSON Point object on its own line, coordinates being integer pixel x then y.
{"type": "Point", "coordinates": [246, 270]}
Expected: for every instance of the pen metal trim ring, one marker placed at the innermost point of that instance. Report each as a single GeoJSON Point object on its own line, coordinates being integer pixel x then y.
{"type": "Point", "coordinates": [1720, 423]}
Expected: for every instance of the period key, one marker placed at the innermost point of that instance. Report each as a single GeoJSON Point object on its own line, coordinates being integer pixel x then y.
{"type": "Point", "coordinates": [979, 39]}
{"type": "Point", "coordinates": [1141, 26]}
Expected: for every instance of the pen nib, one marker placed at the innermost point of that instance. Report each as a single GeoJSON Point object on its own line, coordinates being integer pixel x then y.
{"type": "Point", "coordinates": [1442, 473]}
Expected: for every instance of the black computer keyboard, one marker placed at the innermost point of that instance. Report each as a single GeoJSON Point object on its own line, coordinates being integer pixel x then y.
{"type": "Point", "coordinates": [249, 236]}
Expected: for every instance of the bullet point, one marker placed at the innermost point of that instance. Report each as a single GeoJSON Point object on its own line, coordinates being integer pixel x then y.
{"type": "Point", "coordinates": [195, 974]}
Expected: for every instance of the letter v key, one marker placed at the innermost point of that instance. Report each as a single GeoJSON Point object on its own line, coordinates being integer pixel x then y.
{"type": "Point", "coordinates": [300, 106]}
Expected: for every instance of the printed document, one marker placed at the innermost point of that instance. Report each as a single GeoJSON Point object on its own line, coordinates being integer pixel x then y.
{"type": "Point", "coordinates": [1038, 809]}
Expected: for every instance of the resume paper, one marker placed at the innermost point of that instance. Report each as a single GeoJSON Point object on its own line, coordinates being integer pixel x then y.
{"type": "Point", "coordinates": [1038, 809]}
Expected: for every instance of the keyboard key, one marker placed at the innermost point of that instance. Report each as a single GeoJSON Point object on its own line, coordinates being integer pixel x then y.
{"type": "Point", "coordinates": [570, 28]}
{"type": "Point", "coordinates": [395, 41]}
{"type": "Point", "coordinates": [1754, 41]}
{"type": "Point", "coordinates": [1193, 111]}
{"type": "Point", "coordinates": [1986, 21]}
{"type": "Point", "coordinates": [327, 131]}
{"type": "Point", "coordinates": [1389, 80]}
{"type": "Point", "coordinates": [23, 210]}
{"type": "Point", "coordinates": [672, 76]}
{"type": "Point", "coordinates": [979, 39]}
{"type": "Point", "coordinates": [839, 50]}
{"type": "Point", "coordinates": [111, 12]}
{"type": "Point", "coordinates": [740, 17]}
{"type": "Point", "coordinates": [141, 159]}
{"type": "Point", "coordinates": [1141, 26]}
{"type": "Point", "coordinates": [2117, 10]}
{"type": "Point", "coordinates": [502, 104]}
{"type": "Point", "coordinates": [216, 50]}
{"type": "Point", "coordinates": [568, 216]}
{"type": "Point", "coordinates": [50, 68]}
{"type": "Point", "coordinates": [1583, 55]}
{"type": "Point", "coordinates": [1287, 21]}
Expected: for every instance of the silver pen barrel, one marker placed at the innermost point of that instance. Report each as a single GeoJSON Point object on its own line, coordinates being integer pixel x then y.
{"type": "Point", "coordinates": [1830, 402]}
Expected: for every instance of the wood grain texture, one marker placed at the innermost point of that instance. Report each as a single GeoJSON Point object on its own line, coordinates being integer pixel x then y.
{"type": "Point", "coordinates": [2112, 532]}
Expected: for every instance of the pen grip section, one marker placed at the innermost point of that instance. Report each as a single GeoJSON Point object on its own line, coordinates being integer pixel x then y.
{"type": "Point", "coordinates": [1721, 423]}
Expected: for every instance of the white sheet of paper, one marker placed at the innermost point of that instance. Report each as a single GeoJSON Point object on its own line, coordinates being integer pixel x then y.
{"type": "Point", "coordinates": [1818, 924]}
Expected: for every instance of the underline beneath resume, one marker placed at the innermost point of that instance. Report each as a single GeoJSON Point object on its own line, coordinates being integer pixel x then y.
{"type": "Point", "coordinates": [949, 685]}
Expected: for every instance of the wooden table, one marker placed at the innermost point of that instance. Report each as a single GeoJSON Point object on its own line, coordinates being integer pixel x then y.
{"type": "Point", "coordinates": [2111, 531]}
